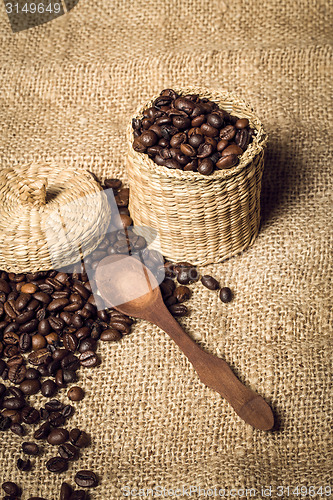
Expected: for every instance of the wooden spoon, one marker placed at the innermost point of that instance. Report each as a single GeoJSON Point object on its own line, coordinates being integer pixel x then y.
{"type": "Point", "coordinates": [127, 283]}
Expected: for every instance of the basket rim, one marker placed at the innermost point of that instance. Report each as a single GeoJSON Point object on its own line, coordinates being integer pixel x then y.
{"type": "Point", "coordinates": [220, 96]}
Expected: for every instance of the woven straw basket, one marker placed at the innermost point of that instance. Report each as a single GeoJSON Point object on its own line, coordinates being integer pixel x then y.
{"type": "Point", "coordinates": [201, 219]}
{"type": "Point", "coordinates": [50, 216]}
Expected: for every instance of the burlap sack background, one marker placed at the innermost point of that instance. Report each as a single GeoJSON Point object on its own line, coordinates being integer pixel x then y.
{"type": "Point", "coordinates": [67, 89]}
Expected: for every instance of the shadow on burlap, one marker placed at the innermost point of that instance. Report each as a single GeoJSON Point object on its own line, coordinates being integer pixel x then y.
{"type": "Point", "coordinates": [67, 90]}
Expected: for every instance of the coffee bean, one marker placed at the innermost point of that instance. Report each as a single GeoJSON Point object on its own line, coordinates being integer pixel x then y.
{"type": "Point", "coordinates": [182, 293]}
{"type": "Point", "coordinates": [30, 387]}
{"type": "Point", "coordinates": [89, 359]}
{"type": "Point", "coordinates": [68, 451]}
{"type": "Point", "coordinates": [4, 286]}
{"type": "Point", "coordinates": [78, 495]}
{"type": "Point", "coordinates": [233, 149]}
{"type": "Point", "coordinates": [30, 415]}
{"type": "Point", "coordinates": [75, 393]}
{"type": "Point", "coordinates": [57, 465]}
{"type": "Point", "coordinates": [221, 145]}
{"type": "Point", "coordinates": [196, 139]}
{"type": "Point", "coordinates": [86, 479]}
{"type": "Point", "coordinates": [187, 149]}
{"type": "Point", "coordinates": [14, 403]}
{"type": "Point", "coordinates": [109, 335]}
{"type": "Point", "coordinates": [58, 436]}
{"type": "Point", "coordinates": [39, 357]}
{"type": "Point", "coordinates": [70, 362]}
{"type": "Point", "coordinates": [23, 465]}
{"type": "Point", "coordinates": [43, 431]}
{"type": "Point", "coordinates": [242, 123]}
{"type": "Point", "coordinates": [210, 282]}
{"type": "Point", "coordinates": [5, 422]}
{"type": "Point", "coordinates": [16, 373]}
{"type": "Point", "coordinates": [17, 429]}
{"type": "Point", "coordinates": [79, 438]}
{"type": "Point", "coordinates": [68, 411]}
{"type": "Point", "coordinates": [178, 310]}
{"type": "Point", "coordinates": [70, 341]}
{"type": "Point", "coordinates": [225, 294]}
{"type": "Point", "coordinates": [32, 374]}
{"type": "Point", "coordinates": [242, 138]}
{"type": "Point", "coordinates": [57, 305]}
{"type": "Point", "coordinates": [115, 183]}
{"type": "Point", "coordinates": [208, 130]}
{"type": "Point", "coordinates": [228, 132]}
{"type": "Point", "coordinates": [56, 324]}
{"type": "Point", "coordinates": [215, 120]}
{"type": "Point", "coordinates": [11, 489]}
{"type": "Point", "coordinates": [206, 166]}
{"type": "Point", "coordinates": [227, 162]}
{"type": "Point", "coordinates": [49, 388]}
{"type": "Point", "coordinates": [54, 405]}
{"type": "Point", "coordinates": [30, 448]}
{"type": "Point", "coordinates": [173, 164]}
{"type": "Point", "coordinates": [65, 491]}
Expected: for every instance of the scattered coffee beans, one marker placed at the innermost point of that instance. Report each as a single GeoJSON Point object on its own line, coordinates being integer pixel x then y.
{"type": "Point", "coordinates": [86, 479]}
{"type": "Point", "coordinates": [30, 448]}
{"type": "Point", "coordinates": [57, 465]}
{"type": "Point", "coordinates": [189, 133]}
{"type": "Point", "coordinates": [210, 282]}
{"type": "Point", "coordinates": [11, 489]}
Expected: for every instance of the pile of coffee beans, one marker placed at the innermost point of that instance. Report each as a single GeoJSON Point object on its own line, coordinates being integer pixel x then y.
{"type": "Point", "coordinates": [191, 134]}
{"type": "Point", "coordinates": [50, 326]}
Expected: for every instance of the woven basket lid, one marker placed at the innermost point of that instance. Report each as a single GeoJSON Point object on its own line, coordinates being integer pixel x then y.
{"type": "Point", "coordinates": [50, 216]}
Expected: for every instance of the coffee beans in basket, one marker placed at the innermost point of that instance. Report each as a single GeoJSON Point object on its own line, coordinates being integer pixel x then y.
{"type": "Point", "coordinates": [189, 133]}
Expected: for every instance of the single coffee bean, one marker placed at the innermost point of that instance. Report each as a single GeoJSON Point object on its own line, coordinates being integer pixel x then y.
{"type": "Point", "coordinates": [221, 145]}
{"type": "Point", "coordinates": [25, 342]}
{"type": "Point", "coordinates": [210, 282]}
{"type": "Point", "coordinates": [68, 451]}
{"type": "Point", "coordinates": [44, 369]}
{"type": "Point", "coordinates": [54, 405]}
{"type": "Point", "coordinates": [22, 301]}
{"type": "Point", "coordinates": [86, 479]}
{"type": "Point", "coordinates": [195, 140]}
{"type": "Point", "coordinates": [215, 120]}
{"type": "Point", "coordinates": [205, 150]}
{"type": "Point", "coordinates": [206, 166]}
{"type": "Point", "coordinates": [29, 288]}
{"type": "Point", "coordinates": [182, 293]}
{"type": "Point", "coordinates": [16, 373]}
{"type": "Point", "coordinates": [43, 431]}
{"type": "Point", "coordinates": [208, 130]}
{"type": "Point", "coordinates": [65, 491]}
{"type": "Point", "coordinates": [30, 448]}
{"type": "Point", "coordinates": [197, 121]}
{"type": "Point", "coordinates": [89, 359]}
{"type": "Point", "coordinates": [14, 403]}
{"type": "Point", "coordinates": [69, 376]}
{"type": "Point", "coordinates": [57, 324]}
{"type": "Point", "coordinates": [30, 387]}
{"type": "Point", "coordinates": [17, 429]}
{"type": "Point", "coordinates": [59, 378]}
{"type": "Point", "coordinates": [58, 436]}
{"type": "Point", "coordinates": [172, 164]}
{"type": "Point", "coordinates": [5, 423]}
{"type": "Point", "coordinates": [23, 465]}
{"type": "Point", "coordinates": [187, 149]}
{"type": "Point", "coordinates": [57, 465]}
{"type": "Point", "coordinates": [228, 132]}
{"type": "Point", "coordinates": [70, 362]}
{"type": "Point", "coordinates": [32, 374]}
{"type": "Point", "coordinates": [79, 438]}
{"type": "Point", "coordinates": [39, 357]}
{"type": "Point", "coordinates": [227, 162]}
{"type": "Point", "coordinates": [68, 411]}
{"type": "Point", "coordinates": [70, 342]}
{"type": "Point", "coordinates": [242, 138]}
{"type": "Point", "coordinates": [38, 342]}
{"type": "Point", "coordinates": [233, 149]}
{"type": "Point", "coordinates": [56, 419]}
{"type": "Point", "coordinates": [57, 305]}
{"type": "Point", "coordinates": [116, 183]}
{"type": "Point", "coordinates": [60, 354]}
{"type": "Point", "coordinates": [178, 310]}
{"type": "Point", "coordinates": [75, 393]}
{"type": "Point", "coordinates": [30, 415]}
{"type": "Point", "coordinates": [242, 123]}
{"type": "Point", "coordinates": [11, 489]}
{"type": "Point", "coordinates": [49, 388]}
{"type": "Point", "coordinates": [110, 335]}
{"type": "Point", "coordinates": [225, 294]}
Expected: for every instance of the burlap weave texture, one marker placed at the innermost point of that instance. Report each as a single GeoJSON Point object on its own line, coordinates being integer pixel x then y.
{"type": "Point", "coordinates": [67, 90]}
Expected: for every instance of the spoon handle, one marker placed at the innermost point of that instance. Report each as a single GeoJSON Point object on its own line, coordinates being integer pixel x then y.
{"type": "Point", "coordinates": [216, 374]}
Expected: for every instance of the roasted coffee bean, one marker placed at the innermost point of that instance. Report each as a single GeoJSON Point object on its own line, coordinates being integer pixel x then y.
{"type": "Point", "coordinates": [4, 286]}
{"type": "Point", "coordinates": [43, 431]}
{"type": "Point", "coordinates": [56, 419]}
{"type": "Point", "coordinates": [25, 342]}
{"type": "Point", "coordinates": [181, 122]}
{"type": "Point", "coordinates": [32, 373]}
{"type": "Point", "coordinates": [23, 465]}
{"type": "Point", "coordinates": [17, 429]}
{"type": "Point", "coordinates": [182, 293]}
{"type": "Point", "coordinates": [86, 479]}
{"type": "Point", "coordinates": [225, 294]}
{"type": "Point", "coordinates": [59, 378]}
{"type": "Point", "coordinates": [242, 123]}
{"type": "Point", "coordinates": [70, 362]}
{"type": "Point", "coordinates": [206, 166]}
{"type": "Point", "coordinates": [89, 359]}
{"type": "Point", "coordinates": [68, 411]}
{"type": "Point", "coordinates": [221, 145]}
{"type": "Point", "coordinates": [11, 338]}
{"type": "Point", "coordinates": [60, 354]}
{"type": "Point", "coordinates": [56, 324]}
{"type": "Point", "coordinates": [205, 150]}
{"type": "Point", "coordinates": [227, 162]}
{"type": "Point", "coordinates": [65, 491]}
{"type": "Point", "coordinates": [75, 393]}
{"type": "Point", "coordinates": [187, 149]}
{"type": "Point", "coordinates": [57, 465]}
{"type": "Point", "coordinates": [22, 301]}
{"type": "Point", "coordinates": [5, 423]}
{"type": "Point", "coordinates": [79, 438]}
{"type": "Point", "coordinates": [30, 387]}
{"type": "Point", "coordinates": [68, 451]}
{"type": "Point", "coordinates": [30, 448]}
{"type": "Point", "coordinates": [228, 132]}
{"type": "Point", "coordinates": [16, 392]}
{"type": "Point", "coordinates": [69, 376]}
{"type": "Point", "coordinates": [30, 415]}
{"type": "Point", "coordinates": [78, 495]}
{"type": "Point", "coordinates": [233, 149]}
{"type": "Point", "coordinates": [57, 305]}
{"type": "Point", "coordinates": [170, 301]}
{"type": "Point", "coordinates": [242, 138]}
{"type": "Point", "coordinates": [70, 341]}
{"type": "Point", "coordinates": [14, 403]}
{"type": "Point", "coordinates": [44, 369]}
{"type": "Point", "coordinates": [11, 489]}
{"type": "Point", "coordinates": [16, 373]}
{"type": "Point", "coordinates": [184, 105]}
{"type": "Point", "coordinates": [14, 415]}
{"type": "Point", "coordinates": [2, 390]}
{"type": "Point", "coordinates": [49, 388]}
{"type": "Point", "coordinates": [39, 357]}
{"type": "Point", "coordinates": [53, 367]}
{"type": "Point", "coordinates": [178, 310]}
{"type": "Point", "coordinates": [58, 436]}
{"type": "Point", "coordinates": [54, 405]}
{"type": "Point", "coordinates": [38, 342]}
{"type": "Point", "coordinates": [208, 130]}
{"type": "Point", "coordinates": [210, 282]}
{"type": "Point", "coordinates": [195, 140]}
{"type": "Point", "coordinates": [109, 335]}
{"type": "Point", "coordinates": [215, 120]}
